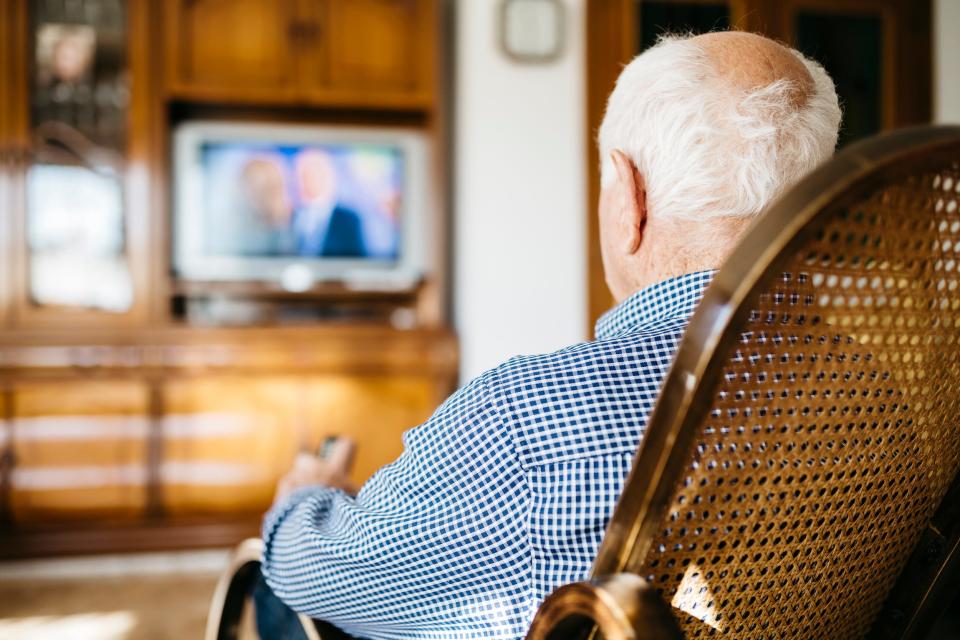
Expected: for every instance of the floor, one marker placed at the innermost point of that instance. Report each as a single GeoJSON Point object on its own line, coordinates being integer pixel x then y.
{"type": "Point", "coordinates": [143, 597]}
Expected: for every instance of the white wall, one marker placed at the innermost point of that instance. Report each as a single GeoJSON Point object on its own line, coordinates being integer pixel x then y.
{"type": "Point", "coordinates": [519, 193]}
{"type": "Point", "coordinates": [946, 61]}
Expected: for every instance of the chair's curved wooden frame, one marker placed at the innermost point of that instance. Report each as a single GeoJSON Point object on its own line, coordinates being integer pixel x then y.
{"type": "Point", "coordinates": [620, 604]}
{"type": "Point", "coordinates": [232, 590]}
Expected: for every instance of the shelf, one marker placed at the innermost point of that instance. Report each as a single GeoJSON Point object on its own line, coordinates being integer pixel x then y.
{"type": "Point", "coordinates": [331, 291]}
{"type": "Point", "coordinates": [176, 350]}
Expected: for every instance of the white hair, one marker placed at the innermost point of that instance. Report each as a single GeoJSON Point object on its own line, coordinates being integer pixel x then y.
{"type": "Point", "coordinates": [709, 151]}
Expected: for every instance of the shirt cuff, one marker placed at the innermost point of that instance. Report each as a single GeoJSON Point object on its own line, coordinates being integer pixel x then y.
{"type": "Point", "coordinates": [279, 512]}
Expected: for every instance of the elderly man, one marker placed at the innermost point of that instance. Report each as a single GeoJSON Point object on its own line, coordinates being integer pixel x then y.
{"type": "Point", "coordinates": [504, 494]}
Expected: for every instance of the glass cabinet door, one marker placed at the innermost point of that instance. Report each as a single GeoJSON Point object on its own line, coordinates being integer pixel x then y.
{"type": "Point", "coordinates": [74, 214]}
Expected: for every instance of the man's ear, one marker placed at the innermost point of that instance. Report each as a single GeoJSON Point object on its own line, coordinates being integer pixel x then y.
{"type": "Point", "coordinates": [633, 201]}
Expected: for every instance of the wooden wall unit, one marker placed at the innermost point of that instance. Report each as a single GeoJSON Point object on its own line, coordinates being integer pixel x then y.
{"type": "Point", "coordinates": [135, 429]}
{"type": "Point", "coordinates": [610, 45]}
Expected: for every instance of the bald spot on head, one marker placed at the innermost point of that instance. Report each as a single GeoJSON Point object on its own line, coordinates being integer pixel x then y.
{"type": "Point", "coordinates": [750, 62]}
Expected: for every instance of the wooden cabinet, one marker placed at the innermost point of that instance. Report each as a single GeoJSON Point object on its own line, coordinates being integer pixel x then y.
{"type": "Point", "coordinates": [379, 48]}
{"type": "Point", "coordinates": [80, 450]}
{"type": "Point", "coordinates": [365, 53]}
{"type": "Point", "coordinates": [373, 409]}
{"type": "Point", "coordinates": [227, 440]}
{"type": "Point", "coordinates": [122, 425]}
{"type": "Point", "coordinates": [888, 83]}
{"type": "Point", "coordinates": [6, 162]}
{"type": "Point", "coordinates": [231, 48]}
{"type": "Point", "coordinates": [193, 428]}
{"type": "Point", "coordinates": [876, 51]}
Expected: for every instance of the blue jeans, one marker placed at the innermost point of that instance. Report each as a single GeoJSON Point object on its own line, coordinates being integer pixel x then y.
{"type": "Point", "coordinates": [275, 620]}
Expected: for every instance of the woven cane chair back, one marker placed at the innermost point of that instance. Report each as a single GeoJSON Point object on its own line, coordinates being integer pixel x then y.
{"type": "Point", "coordinates": [810, 426]}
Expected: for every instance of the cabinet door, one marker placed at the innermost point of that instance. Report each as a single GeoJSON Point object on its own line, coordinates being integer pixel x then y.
{"type": "Point", "coordinates": [372, 410]}
{"type": "Point", "coordinates": [79, 450]}
{"type": "Point", "coordinates": [369, 52]}
{"type": "Point", "coordinates": [230, 49]}
{"type": "Point", "coordinates": [226, 441]}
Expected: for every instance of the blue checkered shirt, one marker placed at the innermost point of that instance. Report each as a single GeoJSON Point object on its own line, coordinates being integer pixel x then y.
{"type": "Point", "coordinates": [500, 497]}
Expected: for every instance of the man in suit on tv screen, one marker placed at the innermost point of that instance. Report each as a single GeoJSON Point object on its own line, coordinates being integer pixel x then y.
{"type": "Point", "coordinates": [324, 227]}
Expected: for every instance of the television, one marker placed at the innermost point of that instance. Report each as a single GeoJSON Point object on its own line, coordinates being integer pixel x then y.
{"type": "Point", "coordinates": [296, 205]}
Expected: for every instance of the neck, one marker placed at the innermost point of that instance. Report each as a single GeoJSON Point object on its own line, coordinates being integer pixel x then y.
{"type": "Point", "coordinates": [674, 249]}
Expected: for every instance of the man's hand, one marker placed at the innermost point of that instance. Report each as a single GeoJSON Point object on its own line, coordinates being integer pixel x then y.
{"type": "Point", "coordinates": [332, 471]}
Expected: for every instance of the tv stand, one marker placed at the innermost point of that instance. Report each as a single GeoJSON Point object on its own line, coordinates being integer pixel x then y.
{"type": "Point", "coordinates": [267, 304]}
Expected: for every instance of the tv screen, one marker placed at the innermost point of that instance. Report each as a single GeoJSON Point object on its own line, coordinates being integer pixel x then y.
{"type": "Point", "coordinates": [254, 200]}
{"type": "Point", "coordinates": [310, 201]}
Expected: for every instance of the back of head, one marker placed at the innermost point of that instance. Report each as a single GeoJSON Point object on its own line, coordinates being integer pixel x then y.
{"type": "Point", "coordinates": [719, 125]}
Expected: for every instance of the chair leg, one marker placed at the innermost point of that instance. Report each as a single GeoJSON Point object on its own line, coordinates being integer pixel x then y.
{"type": "Point", "coordinates": [622, 607]}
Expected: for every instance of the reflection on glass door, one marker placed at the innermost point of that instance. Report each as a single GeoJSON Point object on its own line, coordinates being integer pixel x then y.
{"type": "Point", "coordinates": [76, 234]}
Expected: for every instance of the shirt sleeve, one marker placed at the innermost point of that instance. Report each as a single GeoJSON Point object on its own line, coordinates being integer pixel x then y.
{"type": "Point", "coordinates": [435, 541]}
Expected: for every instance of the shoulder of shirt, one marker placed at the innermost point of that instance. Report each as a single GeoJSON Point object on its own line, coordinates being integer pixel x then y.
{"type": "Point", "coordinates": [536, 397]}
{"type": "Point", "coordinates": [547, 367]}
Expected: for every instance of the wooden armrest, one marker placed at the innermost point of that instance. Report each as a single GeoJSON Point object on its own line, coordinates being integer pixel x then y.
{"type": "Point", "coordinates": [233, 587]}
{"type": "Point", "coordinates": [622, 606]}
{"type": "Point", "coordinates": [232, 590]}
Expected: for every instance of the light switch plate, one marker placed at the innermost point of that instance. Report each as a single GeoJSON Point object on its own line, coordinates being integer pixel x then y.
{"type": "Point", "coordinates": [532, 30]}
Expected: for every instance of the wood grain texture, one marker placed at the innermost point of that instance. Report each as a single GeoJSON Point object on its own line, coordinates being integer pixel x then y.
{"type": "Point", "coordinates": [231, 47]}
{"type": "Point", "coordinates": [80, 450]}
{"type": "Point", "coordinates": [113, 536]}
{"type": "Point", "coordinates": [346, 53]}
{"type": "Point", "coordinates": [196, 423]}
{"type": "Point", "coordinates": [384, 50]}
{"type": "Point", "coordinates": [611, 40]}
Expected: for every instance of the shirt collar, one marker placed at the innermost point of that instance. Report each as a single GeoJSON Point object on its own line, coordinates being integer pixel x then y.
{"type": "Point", "coordinates": [676, 297]}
